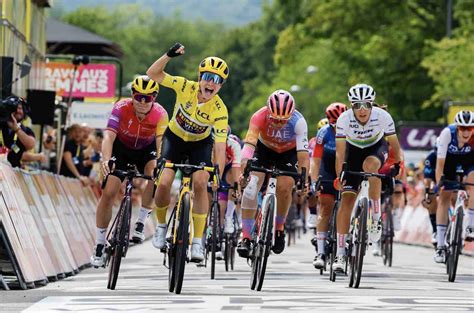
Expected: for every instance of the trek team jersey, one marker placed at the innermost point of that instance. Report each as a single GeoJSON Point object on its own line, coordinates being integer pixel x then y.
{"type": "Point", "coordinates": [380, 124]}
{"type": "Point", "coordinates": [132, 132]}
{"type": "Point", "coordinates": [193, 121]}
{"type": "Point", "coordinates": [294, 134]}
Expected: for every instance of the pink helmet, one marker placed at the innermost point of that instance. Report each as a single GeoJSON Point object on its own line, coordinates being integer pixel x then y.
{"type": "Point", "coordinates": [334, 110]}
{"type": "Point", "coordinates": [281, 104]}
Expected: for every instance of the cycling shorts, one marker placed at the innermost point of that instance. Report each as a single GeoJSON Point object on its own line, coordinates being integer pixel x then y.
{"type": "Point", "coordinates": [454, 162]}
{"type": "Point", "coordinates": [356, 156]}
{"type": "Point", "coordinates": [266, 157]}
{"type": "Point", "coordinates": [124, 156]}
{"type": "Point", "coordinates": [176, 150]}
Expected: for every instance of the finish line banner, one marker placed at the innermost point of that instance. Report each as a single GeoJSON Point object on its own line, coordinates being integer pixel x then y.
{"type": "Point", "coordinates": [92, 80]}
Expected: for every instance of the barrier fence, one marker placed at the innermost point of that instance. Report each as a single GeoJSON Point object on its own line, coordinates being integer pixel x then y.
{"type": "Point", "coordinates": [47, 227]}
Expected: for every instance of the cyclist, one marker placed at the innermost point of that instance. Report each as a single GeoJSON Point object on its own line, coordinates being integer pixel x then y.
{"type": "Point", "coordinates": [277, 135]}
{"type": "Point", "coordinates": [430, 202]}
{"type": "Point", "coordinates": [133, 136]}
{"type": "Point", "coordinates": [324, 159]}
{"type": "Point", "coordinates": [313, 200]}
{"type": "Point", "coordinates": [198, 109]}
{"type": "Point", "coordinates": [455, 152]}
{"type": "Point", "coordinates": [398, 196]}
{"type": "Point", "coordinates": [360, 142]}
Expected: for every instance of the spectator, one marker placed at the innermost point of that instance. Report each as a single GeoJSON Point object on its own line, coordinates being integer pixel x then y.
{"type": "Point", "coordinates": [15, 138]}
{"type": "Point", "coordinates": [73, 156]}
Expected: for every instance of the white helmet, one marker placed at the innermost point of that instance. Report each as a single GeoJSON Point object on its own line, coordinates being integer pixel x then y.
{"type": "Point", "coordinates": [361, 93]}
{"type": "Point", "coordinates": [464, 118]}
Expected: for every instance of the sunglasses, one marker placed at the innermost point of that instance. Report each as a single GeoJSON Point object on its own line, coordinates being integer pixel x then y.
{"type": "Point", "coordinates": [360, 105]}
{"type": "Point", "coordinates": [147, 98]}
{"type": "Point", "coordinates": [211, 76]}
{"type": "Point", "coordinates": [466, 128]}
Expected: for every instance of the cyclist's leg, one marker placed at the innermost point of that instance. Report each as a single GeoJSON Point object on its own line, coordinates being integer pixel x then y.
{"type": "Point", "coordinates": [232, 177]}
{"type": "Point", "coordinates": [327, 205]}
{"type": "Point", "coordinates": [470, 211]}
{"type": "Point", "coordinates": [431, 204]}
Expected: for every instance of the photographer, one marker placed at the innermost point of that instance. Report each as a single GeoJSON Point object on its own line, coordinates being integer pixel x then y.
{"type": "Point", "coordinates": [15, 138]}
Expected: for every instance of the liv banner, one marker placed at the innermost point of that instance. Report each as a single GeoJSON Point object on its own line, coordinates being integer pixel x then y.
{"type": "Point", "coordinates": [92, 80]}
{"type": "Point", "coordinates": [419, 138]}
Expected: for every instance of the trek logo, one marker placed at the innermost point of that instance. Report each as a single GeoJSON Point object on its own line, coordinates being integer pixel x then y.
{"type": "Point", "coordinates": [363, 132]}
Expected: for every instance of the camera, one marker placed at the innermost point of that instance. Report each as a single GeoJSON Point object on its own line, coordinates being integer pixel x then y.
{"type": "Point", "coordinates": [78, 59]}
{"type": "Point", "coordinates": [9, 106]}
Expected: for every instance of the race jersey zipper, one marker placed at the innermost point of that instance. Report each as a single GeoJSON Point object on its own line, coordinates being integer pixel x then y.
{"type": "Point", "coordinates": [138, 134]}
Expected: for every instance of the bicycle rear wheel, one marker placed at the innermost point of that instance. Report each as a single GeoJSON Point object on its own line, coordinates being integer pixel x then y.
{"type": "Point", "coordinates": [387, 241]}
{"type": "Point", "coordinates": [360, 243]}
{"type": "Point", "coordinates": [227, 251]}
{"type": "Point", "coordinates": [120, 242]}
{"type": "Point", "coordinates": [266, 240]}
{"type": "Point", "coordinates": [182, 242]}
{"type": "Point", "coordinates": [455, 245]}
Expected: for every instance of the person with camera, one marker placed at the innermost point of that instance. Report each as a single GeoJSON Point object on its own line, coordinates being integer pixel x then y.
{"type": "Point", "coordinates": [15, 138]}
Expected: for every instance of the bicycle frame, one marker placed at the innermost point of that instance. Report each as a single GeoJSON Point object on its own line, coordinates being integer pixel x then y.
{"type": "Point", "coordinates": [363, 194]}
{"type": "Point", "coordinates": [269, 193]}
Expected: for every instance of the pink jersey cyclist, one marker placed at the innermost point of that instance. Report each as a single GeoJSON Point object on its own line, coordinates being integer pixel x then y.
{"type": "Point", "coordinates": [279, 139]}
{"type": "Point", "coordinates": [132, 132]}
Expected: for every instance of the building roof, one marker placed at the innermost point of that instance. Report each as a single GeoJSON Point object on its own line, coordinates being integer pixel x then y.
{"type": "Point", "coordinates": [63, 38]}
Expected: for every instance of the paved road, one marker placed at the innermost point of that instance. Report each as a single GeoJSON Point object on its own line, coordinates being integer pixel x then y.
{"type": "Point", "coordinates": [414, 283]}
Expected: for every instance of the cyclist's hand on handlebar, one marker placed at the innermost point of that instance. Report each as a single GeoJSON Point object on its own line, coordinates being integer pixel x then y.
{"type": "Point", "coordinates": [105, 169]}
{"type": "Point", "coordinates": [337, 184]}
{"type": "Point", "coordinates": [395, 170]}
{"type": "Point", "coordinates": [176, 50]}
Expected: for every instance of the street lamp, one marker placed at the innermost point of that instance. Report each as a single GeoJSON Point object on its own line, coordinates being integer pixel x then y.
{"type": "Point", "coordinates": [295, 88]}
{"type": "Point", "coordinates": [311, 69]}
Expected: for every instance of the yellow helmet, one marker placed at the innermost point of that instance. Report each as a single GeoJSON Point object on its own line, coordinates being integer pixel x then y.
{"type": "Point", "coordinates": [144, 85]}
{"type": "Point", "coordinates": [214, 65]}
{"type": "Point", "coordinates": [322, 122]}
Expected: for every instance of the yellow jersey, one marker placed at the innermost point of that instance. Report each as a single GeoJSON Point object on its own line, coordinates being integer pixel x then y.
{"type": "Point", "coordinates": [193, 121]}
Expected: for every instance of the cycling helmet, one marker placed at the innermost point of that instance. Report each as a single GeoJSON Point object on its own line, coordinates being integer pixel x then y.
{"type": "Point", "coordinates": [334, 110]}
{"type": "Point", "coordinates": [214, 65]}
{"type": "Point", "coordinates": [144, 85]}
{"type": "Point", "coordinates": [281, 104]}
{"type": "Point", "coordinates": [464, 118]}
{"type": "Point", "coordinates": [361, 93]}
{"type": "Point", "coordinates": [322, 123]}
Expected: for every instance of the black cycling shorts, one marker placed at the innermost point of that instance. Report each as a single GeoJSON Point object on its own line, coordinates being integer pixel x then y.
{"type": "Point", "coordinates": [176, 150]}
{"type": "Point", "coordinates": [355, 157]}
{"type": "Point", "coordinates": [453, 163]}
{"type": "Point", "coordinates": [124, 155]}
{"type": "Point", "coordinates": [266, 157]}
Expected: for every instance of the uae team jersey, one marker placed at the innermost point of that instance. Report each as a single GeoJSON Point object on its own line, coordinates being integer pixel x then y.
{"type": "Point", "coordinates": [132, 132]}
{"type": "Point", "coordinates": [193, 121]}
{"type": "Point", "coordinates": [380, 124]}
{"type": "Point", "coordinates": [279, 139]}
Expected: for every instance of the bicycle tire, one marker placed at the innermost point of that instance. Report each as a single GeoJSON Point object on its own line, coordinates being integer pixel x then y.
{"type": "Point", "coordinates": [332, 241]}
{"type": "Point", "coordinates": [214, 237]}
{"type": "Point", "coordinates": [227, 251]}
{"type": "Point", "coordinates": [172, 255]}
{"type": "Point", "coordinates": [121, 240]}
{"type": "Point", "coordinates": [254, 247]}
{"type": "Point", "coordinates": [389, 248]}
{"type": "Point", "coordinates": [361, 242]}
{"type": "Point", "coordinates": [456, 246]}
{"type": "Point", "coordinates": [267, 232]}
{"type": "Point", "coordinates": [182, 242]}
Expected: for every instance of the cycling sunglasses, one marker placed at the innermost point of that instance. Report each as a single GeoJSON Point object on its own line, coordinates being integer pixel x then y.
{"type": "Point", "coordinates": [360, 105]}
{"type": "Point", "coordinates": [147, 98]}
{"type": "Point", "coordinates": [207, 76]}
{"type": "Point", "coordinates": [466, 128]}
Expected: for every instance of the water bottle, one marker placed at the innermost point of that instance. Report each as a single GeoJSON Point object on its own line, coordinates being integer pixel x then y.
{"type": "Point", "coordinates": [251, 190]}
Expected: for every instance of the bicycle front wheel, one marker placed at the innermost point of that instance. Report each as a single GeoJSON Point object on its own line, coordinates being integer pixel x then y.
{"type": "Point", "coordinates": [266, 240]}
{"type": "Point", "coordinates": [387, 241]}
{"type": "Point", "coordinates": [182, 242]}
{"type": "Point", "coordinates": [455, 245]}
{"type": "Point", "coordinates": [360, 242]}
{"type": "Point", "coordinates": [119, 242]}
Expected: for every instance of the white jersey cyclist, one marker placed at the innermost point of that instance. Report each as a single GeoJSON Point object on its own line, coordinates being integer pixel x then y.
{"type": "Point", "coordinates": [379, 125]}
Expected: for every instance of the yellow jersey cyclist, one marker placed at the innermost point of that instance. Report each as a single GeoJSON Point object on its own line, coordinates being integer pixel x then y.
{"type": "Point", "coordinates": [198, 109]}
{"type": "Point", "coordinates": [133, 136]}
{"type": "Point", "coordinates": [361, 134]}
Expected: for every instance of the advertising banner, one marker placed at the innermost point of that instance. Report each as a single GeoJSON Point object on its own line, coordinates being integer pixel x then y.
{"type": "Point", "coordinates": [92, 80]}
{"type": "Point", "coordinates": [95, 115]}
{"type": "Point", "coordinates": [419, 138]}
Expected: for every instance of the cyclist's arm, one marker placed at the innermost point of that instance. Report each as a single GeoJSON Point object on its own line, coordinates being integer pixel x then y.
{"type": "Point", "coordinates": [443, 143]}
{"type": "Point", "coordinates": [156, 70]}
{"type": "Point", "coordinates": [250, 141]}
{"type": "Point", "coordinates": [340, 143]}
{"type": "Point", "coordinates": [219, 152]}
{"type": "Point", "coordinates": [160, 130]}
{"type": "Point", "coordinates": [395, 144]}
{"type": "Point", "coordinates": [317, 155]}
{"type": "Point", "coordinates": [303, 160]}
{"type": "Point", "coordinates": [107, 144]}
{"type": "Point", "coordinates": [301, 131]}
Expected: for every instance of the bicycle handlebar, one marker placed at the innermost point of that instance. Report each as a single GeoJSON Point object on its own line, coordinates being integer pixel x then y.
{"type": "Point", "coordinates": [189, 169]}
{"type": "Point", "coordinates": [130, 174]}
